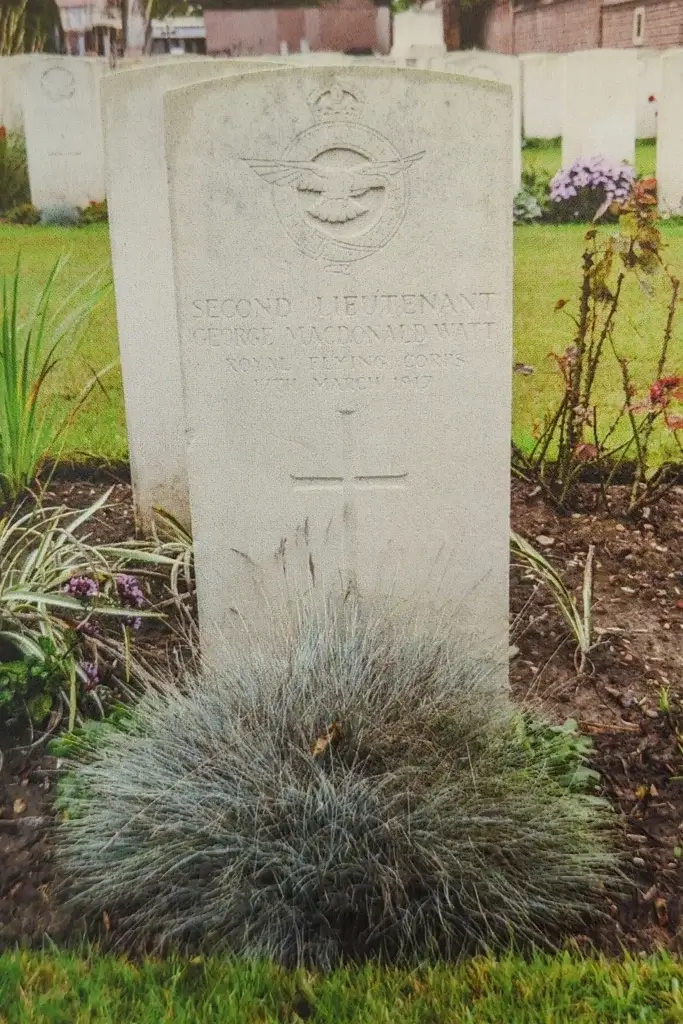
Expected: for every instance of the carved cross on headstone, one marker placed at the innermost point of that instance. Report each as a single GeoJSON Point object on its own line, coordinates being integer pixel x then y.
{"type": "Point", "coordinates": [347, 483]}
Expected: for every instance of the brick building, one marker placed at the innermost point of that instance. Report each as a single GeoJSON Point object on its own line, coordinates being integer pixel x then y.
{"type": "Point", "coordinates": [562, 25]}
{"type": "Point", "coordinates": [241, 27]}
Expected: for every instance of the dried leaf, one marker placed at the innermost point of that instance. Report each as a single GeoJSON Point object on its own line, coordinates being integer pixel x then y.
{"type": "Point", "coordinates": [330, 737]}
{"type": "Point", "coordinates": [641, 792]}
{"type": "Point", "coordinates": [106, 921]}
{"type": "Point", "coordinates": [586, 452]}
{"type": "Point", "coordinates": [560, 304]}
{"type": "Point", "coordinates": [19, 806]}
{"type": "Point", "coordinates": [662, 912]}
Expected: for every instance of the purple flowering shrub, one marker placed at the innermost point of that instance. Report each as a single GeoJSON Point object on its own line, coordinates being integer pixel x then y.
{"type": "Point", "coordinates": [130, 595]}
{"type": "Point", "coordinates": [71, 614]}
{"type": "Point", "coordinates": [83, 587]}
{"type": "Point", "coordinates": [122, 591]}
{"type": "Point", "coordinates": [579, 191]}
{"type": "Point", "coordinates": [79, 658]}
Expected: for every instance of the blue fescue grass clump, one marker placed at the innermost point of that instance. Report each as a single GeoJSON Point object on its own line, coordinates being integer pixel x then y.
{"type": "Point", "coordinates": [355, 786]}
{"type": "Point", "coordinates": [60, 215]}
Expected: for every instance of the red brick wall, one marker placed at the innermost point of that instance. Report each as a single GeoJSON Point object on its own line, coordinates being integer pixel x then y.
{"type": "Point", "coordinates": [342, 25]}
{"type": "Point", "coordinates": [347, 25]}
{"type": "Point", "coordinates": [558, 26]}
{"type": "Point", "coordinates": [663, 21]}
{"type": "Point", "coordinates": [498, 28]}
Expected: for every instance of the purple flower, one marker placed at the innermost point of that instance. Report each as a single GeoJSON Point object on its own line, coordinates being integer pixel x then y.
{"type": "Point", "coordinates": [592, 174]}
{"type": "Point", "coordinates": [129, 591]}
{"type": "Point", "coordinates": [130, 595]}
{"type": "Point", "coordinates": [83, 587]}
{"type": "Point", "coordinates": [89, 668]}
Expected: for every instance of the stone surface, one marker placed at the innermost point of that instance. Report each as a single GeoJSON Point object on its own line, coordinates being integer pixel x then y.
{"type": "Point", "coordinates": [60, 97]}
{"type": "Point", "coordinates": [542, 85]}
{"type": "Point", "coordinates": [649, 88]}
{"type": "Point", "coordinates": [599, 105]}
{"type": "Point", "coordinates": [669, 134]}
{"type": "Point", "coordinates": [493, 67]}
{"type": "Point", "coordinates": [342, 250]}
{"type": "Point", "coordinates": [132, 116]}
{"type": "Point", "coordinates": [11, 70]}
{"type": "Point", "coordinates": [416, 29]}
{"type": "Point", "coordinates": [318, 57]}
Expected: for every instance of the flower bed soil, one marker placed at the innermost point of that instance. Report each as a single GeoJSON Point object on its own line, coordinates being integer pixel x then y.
{"type": "Point", "coordinates": [618, 700]}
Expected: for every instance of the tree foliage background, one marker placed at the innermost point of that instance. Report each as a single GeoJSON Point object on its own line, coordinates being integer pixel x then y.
{"type": "Point", "coordinates": [28, 25]}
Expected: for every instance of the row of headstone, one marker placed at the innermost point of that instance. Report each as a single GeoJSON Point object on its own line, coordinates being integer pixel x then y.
{"type": "Point", "coordinates": [607, 98]}
{"type": "Point", "coordinates": [55, 102]}
{"type": "Point", "coordinates": [599, 101]}
{"type": "Point", "coordinates": [313, 282]}
{"type": "Point", "coordinates": [543, 88]}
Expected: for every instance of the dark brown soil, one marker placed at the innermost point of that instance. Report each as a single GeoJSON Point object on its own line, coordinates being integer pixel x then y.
{"type": "Point", "coordinates": [633, 674]}
{"type": "Point", "coordinates": [629, 698]}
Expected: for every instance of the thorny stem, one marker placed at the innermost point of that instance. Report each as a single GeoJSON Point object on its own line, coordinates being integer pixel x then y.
{"type": "Point", "coordinates": [668, 330]}
{"type": "Point", "coordinates": [595, 356]}
{"type": "Point", "coordinates": [568, 429]}
{"type": "Point", "coordinates": [555, 462]}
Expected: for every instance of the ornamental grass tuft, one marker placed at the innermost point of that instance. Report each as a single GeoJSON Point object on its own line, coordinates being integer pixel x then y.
{"type": "Point", "coordinates": [353, 786]}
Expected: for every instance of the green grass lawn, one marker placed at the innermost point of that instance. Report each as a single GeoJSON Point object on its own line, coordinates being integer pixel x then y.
{"type": "Point", "coordinates": [547, 268]}
{"type": "Point", "coordinates": [99, 429]}
{"type": "Point", "coordinates": [54, 988]}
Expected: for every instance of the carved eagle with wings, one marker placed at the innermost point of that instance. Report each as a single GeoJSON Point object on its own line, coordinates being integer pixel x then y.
{"type": "Point", "coordinates": [339, 188]}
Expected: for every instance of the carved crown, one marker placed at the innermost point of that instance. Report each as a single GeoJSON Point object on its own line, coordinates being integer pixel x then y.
{"type": "Point", "coordinates": [335, 98]}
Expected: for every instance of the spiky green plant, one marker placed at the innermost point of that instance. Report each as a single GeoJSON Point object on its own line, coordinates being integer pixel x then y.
{"type": "Point", "coordinates": [351, 786]}
{"type": "Point", "coordinates": [579, 620]}
{"type": "Point", "coordinates": [30, 350]}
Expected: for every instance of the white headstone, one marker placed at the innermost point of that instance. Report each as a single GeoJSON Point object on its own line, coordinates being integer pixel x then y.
{"type": "Point", "coordinates": [63, 130]}
{"type": "Point", "coordinates": [599, 105]}
{"type": "Point", "coordinates": [418, 27]}
{"type": "Point", "coordinates": [670, 135]}
{"type": "Point", "coordinates": [11, 112]}
{"type": "Point", "coordinates": [542, 85]}
{"type": "Point", "coordinates": [132, 116]}
{"type": "Point", "coordinates": [284, 49]}
{"type": "Point", "coordinates": [649, 89]}
{"type": "Point", "coordinates": [493, 67]}
{"type": "Point", "coordinates": [342, 249]}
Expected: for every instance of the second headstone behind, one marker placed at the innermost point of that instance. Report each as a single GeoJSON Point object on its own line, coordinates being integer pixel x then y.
{"type": "Point", "coordinates": [140, 232]}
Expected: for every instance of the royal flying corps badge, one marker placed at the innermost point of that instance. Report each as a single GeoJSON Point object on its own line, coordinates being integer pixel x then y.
{"type": "Point", "coordinates": [340, 188]}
